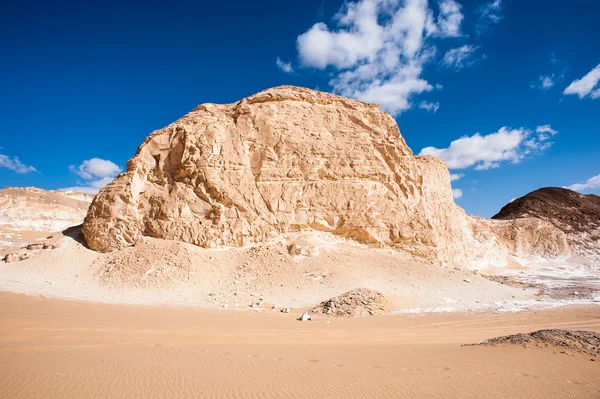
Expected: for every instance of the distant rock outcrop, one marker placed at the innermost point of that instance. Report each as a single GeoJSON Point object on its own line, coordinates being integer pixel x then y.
{"type": "Point", "coordinates": [577, 215]}
{"type": "Point", "coordinates": [292, 159]}
{"type": "Point", "coordinates": [34, 209]}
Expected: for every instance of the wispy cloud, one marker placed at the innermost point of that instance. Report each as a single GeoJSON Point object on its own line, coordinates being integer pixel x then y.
{"type": "Point", "coordinates": [429, 106]}
{"type": "Point", "coordinates": [545, 132]}
{"type": "Point", "coordinates": [489, 151]}
{"type": "Point", "coordinates": [460, 57]}
{"type": "Point", "coordinates": [457, 193]}
{"type": "Point", "coordinates": [376, 49]}
{"type": "Point", "coordinates": [456, 176]}
{"type": "Point", "coordinates": [15, 165]}
{"type": "Point", "coordinates": [284, 66]}
{"type": "Point", "coordinates": [544, 82]}
{"type": "Point", "coordinates": [591, 183]}
{"type": "Point", "coordinates": [586, 86]}
{"type": "Point", "coordinates": [489, 14]}
{"type": "Point", "coordinates": [547, 81]}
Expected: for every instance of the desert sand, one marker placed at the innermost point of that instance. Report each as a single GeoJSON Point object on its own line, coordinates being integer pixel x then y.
{"type": "Point", "coordinates": [57, 349]}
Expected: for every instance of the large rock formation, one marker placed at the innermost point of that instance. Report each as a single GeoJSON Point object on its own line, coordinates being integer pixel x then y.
{"type": "Point", "coordinates": [292, 159]}
{"type": "Point", "coordinates": [577, 215]}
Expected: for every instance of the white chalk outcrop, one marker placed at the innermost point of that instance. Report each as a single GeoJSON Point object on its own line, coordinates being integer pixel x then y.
{"type": "Point", "coordinates": [292, 159]}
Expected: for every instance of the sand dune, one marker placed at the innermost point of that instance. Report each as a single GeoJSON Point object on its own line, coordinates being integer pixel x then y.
{"type": "Point", "coordinates": [65, 349]}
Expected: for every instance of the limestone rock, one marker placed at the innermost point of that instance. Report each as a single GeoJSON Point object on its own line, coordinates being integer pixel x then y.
{"type": "Point", "coordinates": [284, 160]}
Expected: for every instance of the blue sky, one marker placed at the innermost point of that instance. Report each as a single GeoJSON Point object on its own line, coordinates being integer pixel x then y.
{"type": "Point", "coordinates": [507, 92]}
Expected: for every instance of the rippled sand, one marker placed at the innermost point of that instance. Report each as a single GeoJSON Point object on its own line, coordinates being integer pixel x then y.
{"type": "Point", "coordinates": [66, 349]}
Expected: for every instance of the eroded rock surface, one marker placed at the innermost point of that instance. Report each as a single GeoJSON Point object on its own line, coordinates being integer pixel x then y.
{"type": "Point", "coordinates": [292, 159]}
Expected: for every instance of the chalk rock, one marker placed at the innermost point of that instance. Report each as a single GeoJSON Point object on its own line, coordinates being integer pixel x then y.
{"type": "Point", "coordinates": [284, 160]}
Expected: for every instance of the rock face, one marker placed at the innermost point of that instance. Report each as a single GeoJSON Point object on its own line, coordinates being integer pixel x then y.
{"type": "Point", "coordinates": [283, 160]}
{"type": "Point", "coordinates": [577, 215]}
{"type": "Point", "coordinates": [34, 209]}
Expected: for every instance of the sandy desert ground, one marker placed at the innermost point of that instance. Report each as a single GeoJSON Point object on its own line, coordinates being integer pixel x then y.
{"type": "Point", "coordinates": [70, 349]}
{"type": "Point", "coordinates": [169, 319]}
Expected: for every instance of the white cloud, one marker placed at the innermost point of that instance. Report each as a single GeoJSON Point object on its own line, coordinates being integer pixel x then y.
{"type": "Point", "coordinates": [96, 168]}
{"type": "Point", "coordinates": [544, 82]}
{"type": "Point", "coordinates": [586, 86]}
{"type": "Point", "coordinates": [284, 66]}
{"type": "Point", "coordinates": [489, 151]}
{"type": "Point", "coordinates": [547, 81]}
{"type": "Point", "coordinates": [460, 57]}
{"type": "Point", "coordinates": [592, 182]}
{"type": "Point", "coordinates": [429, 106]}
{"type": "Point", "coordinates": [490, 14]}
{"type": "Point", "coordinates": [377, 48]}
{"type": "Point", "coordinates": [97, 173]}
{"type": "Point", "coordinates": [15, 165]}
{"type": "Point", "coordinates": [545, 132]}
{"type": "Point", "coordinates": [457, 193]}
{"type": "Point", "coordinates": [448, 21]}
{"type": "Point", "coordinates": [456, 176]}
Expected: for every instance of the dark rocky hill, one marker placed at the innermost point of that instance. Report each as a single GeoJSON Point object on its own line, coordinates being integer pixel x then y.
{"type": "Point", "coordinates": [576, 214]}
